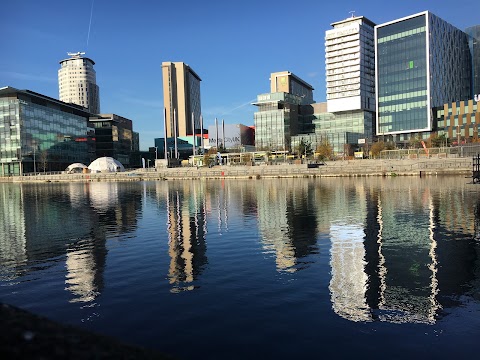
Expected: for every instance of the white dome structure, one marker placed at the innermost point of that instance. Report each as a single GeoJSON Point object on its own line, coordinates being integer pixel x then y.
{"type": "Point", "coordinates": [106, 164]}
{"type": "Point", "coordinates": [75, 167]}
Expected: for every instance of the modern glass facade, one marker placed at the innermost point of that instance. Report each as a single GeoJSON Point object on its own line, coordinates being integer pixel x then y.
{"type": "Point", "coordinates": [421, 62]}
{"type": "Point", "coordinates": [276, 120]}
{"type": "Point", "coordinates": [402, 76]}
{"type": "Point", "coordinates": [114, 137]}
{"type": "Point", "coordinates": [38, 133]}
{"type": "Point", "coordinates": [474, 43]}
{"type": "Point", "coordinates": [342, 130]}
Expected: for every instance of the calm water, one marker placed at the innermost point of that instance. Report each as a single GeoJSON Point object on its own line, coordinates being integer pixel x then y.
{"type": "Point", "coordinates": [275, 268]}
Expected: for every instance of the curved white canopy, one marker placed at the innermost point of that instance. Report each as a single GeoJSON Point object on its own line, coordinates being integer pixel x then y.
{"type": "Point", "coordinates": [74, 166]}
{"type": "Point", "coordinates": [106, 164]}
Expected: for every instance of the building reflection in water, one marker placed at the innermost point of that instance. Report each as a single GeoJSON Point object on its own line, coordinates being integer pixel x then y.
{"type": "Point", "coordinates": [348, 284]}
{"type": "Point", "coordinates": [13, 241]}
{"type": "Point", "coordinates": [44, 224]}
{"type": "Point", "coordinates": [401, 250]}
{"type": "Point", "coordinates": [115, 212]}
{"type": "Point", "coordinates": [85, 266]}
{"type": "Point", "coordinates": [386, 267]}
{"type": "Point", "coordinates": [409, 261]}
{"type": "Point", "coordinates": [287, 222]}
{"type": "Point", "coordinates": [187, 228]}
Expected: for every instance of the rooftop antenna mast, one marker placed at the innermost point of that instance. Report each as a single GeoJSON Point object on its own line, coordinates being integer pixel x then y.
{"type": "Point", "coordinates": [352, 13]}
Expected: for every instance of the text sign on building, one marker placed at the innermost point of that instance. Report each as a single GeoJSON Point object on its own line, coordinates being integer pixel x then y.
{"type": "Point", "coordinates": [232, 136]}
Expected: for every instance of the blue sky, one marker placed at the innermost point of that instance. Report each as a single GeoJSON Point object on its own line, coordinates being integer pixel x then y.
{"type": "Point", "coordinates": [232, 45]}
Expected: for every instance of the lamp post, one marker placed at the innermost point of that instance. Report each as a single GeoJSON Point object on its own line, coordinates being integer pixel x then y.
{"type": "Point", "coordinates": [34, 161]}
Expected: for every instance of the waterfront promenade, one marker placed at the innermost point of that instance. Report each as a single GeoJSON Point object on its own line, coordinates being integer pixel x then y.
{"type": "Point", "coordinates": [350, 168]}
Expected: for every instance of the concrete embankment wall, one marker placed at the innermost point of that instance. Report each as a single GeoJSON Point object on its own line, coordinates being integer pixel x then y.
{"type": "Point", "coordinates": [459, 166]}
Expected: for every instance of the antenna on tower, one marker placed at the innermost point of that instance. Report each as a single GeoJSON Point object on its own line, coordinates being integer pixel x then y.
{"type": "Point", "coordinates": [352, 13]}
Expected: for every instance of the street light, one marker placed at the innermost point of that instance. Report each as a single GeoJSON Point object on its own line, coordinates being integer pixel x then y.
{"type": "Point", "coordinates": [34, 162]}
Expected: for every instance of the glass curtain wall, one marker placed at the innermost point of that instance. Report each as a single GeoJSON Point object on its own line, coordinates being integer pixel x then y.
{"type": "Point", "coordinates": [271, 129]}
{"type": "Point", "coordinates": [38, 138]}
{"type": "Point", "coordinates": [402, 76]}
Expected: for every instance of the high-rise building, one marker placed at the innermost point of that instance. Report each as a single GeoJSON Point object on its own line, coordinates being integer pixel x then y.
{"type": "Point", "coordinates": [422, 62]}
{"type": "Point", "coordinates": [474, 42]}
{"type": "Point", "coordinates": [279, 113]}
{"type": "Point", "coordinates": [181, 92]}
{"type": "Point", "coordinates": [77, 82]}
{"type": "Point", "coordinates": [289, 83]}
{"type": "Point", "coordinates": [350, 65]}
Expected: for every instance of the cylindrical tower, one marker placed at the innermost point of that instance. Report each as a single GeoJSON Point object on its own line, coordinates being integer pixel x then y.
{"type": "Point", "coordinates": [77, 82]}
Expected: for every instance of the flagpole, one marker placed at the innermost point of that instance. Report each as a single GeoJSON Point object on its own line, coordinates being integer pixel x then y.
{"type": "Point", "coordinates": [165, 133]}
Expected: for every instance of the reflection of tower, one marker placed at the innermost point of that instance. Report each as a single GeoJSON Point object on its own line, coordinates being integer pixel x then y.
{"type": "Point", "coordinates": [302, 220]}
{"type": "Point", "coordinates": [186, 231]}
{"type": "Point", "coordinates": [115, 212]}
{"type": "Point", "coordinates": [387, 269]}
{"type": "Point", "coordinates": [373, 256]}
{"type": "Point", "coordinates": [13, 241]}
{"type": "Point", "coordinates": [348, 285]}
{"type": "Point", "coordinates": [273, 224]}
{"type": "Point", "coordinates": [409, 248]}
{"type": "Point", "coordinates": [287, 221]}
{"type": "Point", "coordinates": [85, 265]}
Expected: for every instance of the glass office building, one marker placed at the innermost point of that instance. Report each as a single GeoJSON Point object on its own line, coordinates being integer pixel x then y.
{"type": "Point", "coordinates": [114, 138]}
{"type": "Point", "coordinates": [38, 133]}
{"type": "Point", "coordinates": [345, 131]}
{"type": "Point", "coordinates": [474, 43]}
{"type": "Point", "coordinates": [422, 62]}
{"type": "Point", "coordinates": [276, 120]}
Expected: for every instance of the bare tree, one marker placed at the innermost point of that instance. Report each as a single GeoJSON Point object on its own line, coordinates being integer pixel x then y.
{"type": "Point", "coordinates": [43, 160]}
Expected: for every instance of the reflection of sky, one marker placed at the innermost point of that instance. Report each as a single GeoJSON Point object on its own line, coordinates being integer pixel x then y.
{"type": "Point", "coordinates": [348, 284]}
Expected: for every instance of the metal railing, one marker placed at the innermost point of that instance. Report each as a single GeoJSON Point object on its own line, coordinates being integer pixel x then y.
{"type": "Point", "coordinates": [466, 150]}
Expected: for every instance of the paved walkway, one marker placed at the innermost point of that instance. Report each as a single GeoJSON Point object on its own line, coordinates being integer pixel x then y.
{"type": "Point", "coordinates": [425, 167]}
